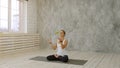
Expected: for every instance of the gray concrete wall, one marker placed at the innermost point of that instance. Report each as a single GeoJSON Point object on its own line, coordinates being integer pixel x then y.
{"type": "Point", "coordinates": [91, 25]}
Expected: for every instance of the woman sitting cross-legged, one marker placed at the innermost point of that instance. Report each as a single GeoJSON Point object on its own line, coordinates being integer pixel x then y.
{"type": "Point", "coordinates": [60, 47]}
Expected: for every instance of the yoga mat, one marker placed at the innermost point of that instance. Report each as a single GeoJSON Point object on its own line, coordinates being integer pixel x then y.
{"type": "Point", "coordinates": [71, 61]}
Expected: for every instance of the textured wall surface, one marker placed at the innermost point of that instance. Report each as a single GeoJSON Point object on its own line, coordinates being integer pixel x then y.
{"type": "Point", "coordinates": [32, 16]}
{"type": "Point", "coordinates": [91, 25]}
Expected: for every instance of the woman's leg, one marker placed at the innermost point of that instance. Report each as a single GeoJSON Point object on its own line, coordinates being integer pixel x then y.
{"type": "Point", "coordinates": [63, 58]}
{"type": "Point", "coordinates": [52, 58]}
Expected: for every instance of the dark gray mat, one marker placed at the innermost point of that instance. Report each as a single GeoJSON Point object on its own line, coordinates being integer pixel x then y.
{"type": "Point", "coordinates": [71, 61]}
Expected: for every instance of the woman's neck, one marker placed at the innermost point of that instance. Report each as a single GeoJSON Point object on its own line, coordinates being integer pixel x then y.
{"type": "Point", "coordinates": [62, 38]}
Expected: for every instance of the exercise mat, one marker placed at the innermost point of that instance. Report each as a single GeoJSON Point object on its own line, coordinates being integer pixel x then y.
{"type": "Point", "coordinates": [71, 61]}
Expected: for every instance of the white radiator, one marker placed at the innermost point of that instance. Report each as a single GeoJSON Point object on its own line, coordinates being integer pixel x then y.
{"type": "Point", "coordinates": [18, 41]}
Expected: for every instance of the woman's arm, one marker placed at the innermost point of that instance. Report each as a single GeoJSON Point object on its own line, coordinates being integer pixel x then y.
{"type": "Point", "coordinates": [64, 45]}
{"type": "Point", "coordinates": [54, 46]}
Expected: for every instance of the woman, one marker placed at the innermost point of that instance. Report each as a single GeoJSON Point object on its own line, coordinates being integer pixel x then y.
{"type": "Point", "coordinates": [60, 47]}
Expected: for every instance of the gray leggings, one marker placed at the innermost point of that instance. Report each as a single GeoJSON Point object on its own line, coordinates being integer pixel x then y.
{"type": "Point", "coordinates": [60, 58]}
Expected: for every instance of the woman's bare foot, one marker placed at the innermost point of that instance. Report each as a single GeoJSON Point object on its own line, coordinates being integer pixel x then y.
{"type": "Point", "coordinates": [56, 55]}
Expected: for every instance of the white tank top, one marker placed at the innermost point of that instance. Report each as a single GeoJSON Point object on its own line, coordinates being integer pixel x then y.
{"type": "Point", "coordinates": [60, 51]}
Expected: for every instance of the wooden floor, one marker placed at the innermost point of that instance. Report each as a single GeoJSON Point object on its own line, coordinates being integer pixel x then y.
{"type": "Point", "coordinates": [95, 60]}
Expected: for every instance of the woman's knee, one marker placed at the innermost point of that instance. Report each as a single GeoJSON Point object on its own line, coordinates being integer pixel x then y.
{"type": "Point", "coordinates": [49, 57]}
{"type": "Point", "coordinates": [65, 58]}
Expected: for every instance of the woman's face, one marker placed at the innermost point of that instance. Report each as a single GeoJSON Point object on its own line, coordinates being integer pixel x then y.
{"type": "Point", "coordinates": [62, 34]}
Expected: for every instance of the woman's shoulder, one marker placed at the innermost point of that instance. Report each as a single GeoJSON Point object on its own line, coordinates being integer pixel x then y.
{"type": "Point", "coordinates": [65, 40]}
